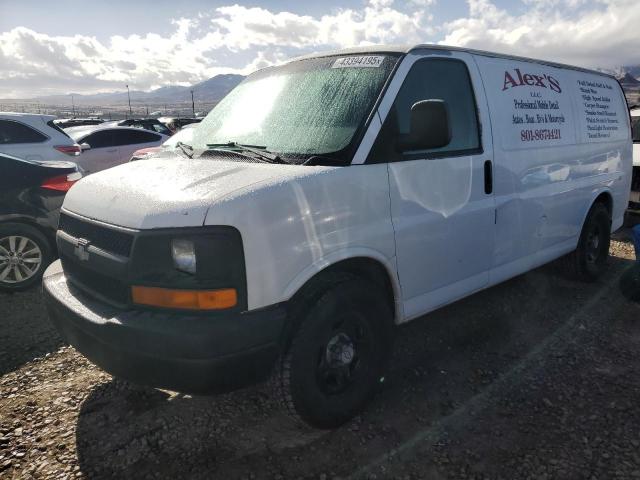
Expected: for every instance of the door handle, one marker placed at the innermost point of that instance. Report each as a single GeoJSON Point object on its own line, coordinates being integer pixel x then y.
{"type": "Point", "coordinates": [112, 150]}
{"type": "Point", "coordinates": [488, 177]}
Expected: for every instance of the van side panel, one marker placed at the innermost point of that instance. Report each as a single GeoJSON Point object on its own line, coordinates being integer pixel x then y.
{"type": "Point", "coordinates": [604, 134]}
{"type": "Point", "coordinates": [294, 227]}
{"type": "Point", "coordinates": [555, 152]}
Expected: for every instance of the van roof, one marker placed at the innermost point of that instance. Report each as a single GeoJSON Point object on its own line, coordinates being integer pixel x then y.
{"type": "Point", "coordinates": [369, 49]}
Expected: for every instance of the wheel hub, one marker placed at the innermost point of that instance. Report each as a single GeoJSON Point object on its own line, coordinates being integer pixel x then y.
{"type": "Point", "coordinates": [20, 259]}
{"type": "Point", "coordinates": [593, 246]}
{"type": "Point", "coordinates": [340, 351]}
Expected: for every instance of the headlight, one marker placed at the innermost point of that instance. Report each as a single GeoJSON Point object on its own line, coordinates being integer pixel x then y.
{"type": "Point", "coordinates": [201, 266]}
{"type": "Point", "coordinates": [184, 255]}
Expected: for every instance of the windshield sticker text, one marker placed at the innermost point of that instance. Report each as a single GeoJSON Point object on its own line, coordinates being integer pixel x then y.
{"type": "Point", "coordinates": [369, 61]}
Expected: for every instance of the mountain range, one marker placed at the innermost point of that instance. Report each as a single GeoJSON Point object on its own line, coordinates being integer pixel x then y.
{"type": "Point", "coordinates": [215, 88]}
{"type": "Point", "coordinates": [628, 80]}
{"type": "Point", "coordinates": [209, 91]}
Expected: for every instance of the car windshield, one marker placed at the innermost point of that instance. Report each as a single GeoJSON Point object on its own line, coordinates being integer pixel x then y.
{"type": "Point", "coordinates": [635, 127]}
{"type": "Point", "coordinates": [305, 108]}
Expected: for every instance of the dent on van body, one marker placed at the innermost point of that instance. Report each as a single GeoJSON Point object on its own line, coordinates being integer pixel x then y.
{"type": "Point", "coordinates": [443, 218]}
{"type": "Point", "coordinates": [295, 226]}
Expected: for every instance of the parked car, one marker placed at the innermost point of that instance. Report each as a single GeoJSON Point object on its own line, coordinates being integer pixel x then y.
{"type": "Point", "coordinates": [176, 123]}
{"type": "Point", "coordinates": [151, 124]}
{"type": "Point", "coordinates": [184, 135]}
{"type": "Point", "coordinates": [77, 122]}
{"type": "Point", "coordinates": [328, 200]}
{"type": "Point", "coordinates": [635, 184]}
{"type": "Point", "coordinates": [31, 193]}
{"type": "Point", "coordinates": [105, 146]}
{"type": "Point", "coordinates": [35, 137]}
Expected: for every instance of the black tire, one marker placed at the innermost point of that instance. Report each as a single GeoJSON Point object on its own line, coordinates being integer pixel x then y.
{"type": "Point", "coordinates": [589, 260]}
{"type": "Point", "coordinates": [338, 355]}
{"type": "Point", "coordinates": [27, 269]}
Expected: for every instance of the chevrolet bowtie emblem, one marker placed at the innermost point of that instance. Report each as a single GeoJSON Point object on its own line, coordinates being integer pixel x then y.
{"type": "Point", "coordinates": [82, 249]}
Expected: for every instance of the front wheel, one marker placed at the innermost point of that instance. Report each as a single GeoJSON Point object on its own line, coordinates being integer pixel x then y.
{"type": "Point", "coordinates": [24, 255]}
{"type": "Point", "coordinates": [338, 355]}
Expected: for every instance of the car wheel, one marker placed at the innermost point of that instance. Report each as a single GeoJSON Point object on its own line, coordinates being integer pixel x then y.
{"type": "Point", "coordinates": [24, 255]}
{"type": "Point", "coordinates": [337, 357]}
{"type": "Point", "coordinates": [589, 260]}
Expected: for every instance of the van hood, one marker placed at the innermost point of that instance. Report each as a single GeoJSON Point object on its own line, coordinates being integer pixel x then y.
{"type": "Point", "coordinates": [166, 192]}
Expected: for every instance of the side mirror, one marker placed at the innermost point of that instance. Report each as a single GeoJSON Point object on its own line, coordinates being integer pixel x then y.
{"type": "Point", "coordinates": [429, 127]}
{"type": "Point", "coordinates": [85, 146]}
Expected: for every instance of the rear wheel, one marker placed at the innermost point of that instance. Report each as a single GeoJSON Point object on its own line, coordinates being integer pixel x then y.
{"type": "Point", "coordinates": [589, 260]}
{"type": "Point", "coordinates": [24, 254]}
{"type": "Point", "coordinates": [338, 355]}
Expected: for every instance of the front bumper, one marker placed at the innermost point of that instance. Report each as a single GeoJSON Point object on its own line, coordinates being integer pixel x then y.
{"type": "Point", "coordinates": [189, 353]}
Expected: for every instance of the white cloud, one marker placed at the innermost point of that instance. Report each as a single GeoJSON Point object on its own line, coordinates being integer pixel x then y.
{"type": "Point", "coordinates": [239, 39]}
{"type": "Point", "coordinates": [231, 39]}
{"type": "Point", "coordinates": [240, 28]}
{"type": "Point", "coordinates": [602, 33]}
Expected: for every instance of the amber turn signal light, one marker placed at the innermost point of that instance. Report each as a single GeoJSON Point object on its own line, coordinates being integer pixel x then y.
{"type": "Point", "coordinates": [185, 299]}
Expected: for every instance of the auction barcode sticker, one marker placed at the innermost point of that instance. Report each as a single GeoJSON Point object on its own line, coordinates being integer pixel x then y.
{"type": "Point", "coordinates": [369, 61]}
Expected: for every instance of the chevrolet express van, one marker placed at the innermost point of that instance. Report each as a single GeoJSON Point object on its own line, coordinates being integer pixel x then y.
{"type": "Point", "coordinates": [326, 201]}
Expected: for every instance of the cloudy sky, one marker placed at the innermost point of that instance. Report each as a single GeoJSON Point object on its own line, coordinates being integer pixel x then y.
{"type": "Point", "coordinates": [85, 47]}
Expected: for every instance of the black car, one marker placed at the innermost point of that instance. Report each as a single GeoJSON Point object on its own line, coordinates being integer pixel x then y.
{"type": "Point", "coordinates": [31, 194]}
{"type": "Point", "coordinates": [150, 124]}
{"type": "Point", "coordinates": [77, 122]}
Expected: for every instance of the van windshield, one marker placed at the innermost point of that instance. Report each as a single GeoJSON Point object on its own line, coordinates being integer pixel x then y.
{"type": "Point", "coordinates": [305, 108]}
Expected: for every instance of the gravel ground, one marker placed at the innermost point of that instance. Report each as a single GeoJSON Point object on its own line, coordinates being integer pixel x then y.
{"type": "Point", "coordinates": [536, 378]}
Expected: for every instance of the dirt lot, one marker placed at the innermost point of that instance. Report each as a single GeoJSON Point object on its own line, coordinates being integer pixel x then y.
{"type": "Point", "coordinates": [536, 378]}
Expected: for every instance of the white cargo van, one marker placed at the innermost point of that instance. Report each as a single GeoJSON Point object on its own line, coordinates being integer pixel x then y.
{"type": "Point", "coordinates": [635, 182]}
{"type": "Point", "coordinates": [327, 200]}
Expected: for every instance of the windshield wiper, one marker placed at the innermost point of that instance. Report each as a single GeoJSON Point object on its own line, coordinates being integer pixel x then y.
{"type": "Point", "coordinates": [259, 150]}
{"type": "Point", "coordinates": [186, 149]}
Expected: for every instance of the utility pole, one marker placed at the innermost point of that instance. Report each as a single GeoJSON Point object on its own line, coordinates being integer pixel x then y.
{"type": "Point", "coordinates": [73, 106]}
{"type": "Point", "coordinates": [129, 98]}
{"type": "Point", "coordinates": [193, 105]}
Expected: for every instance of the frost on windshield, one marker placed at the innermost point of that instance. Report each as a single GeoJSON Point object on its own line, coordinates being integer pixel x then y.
{"type": "Point", "coordinates": [292, 109]}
